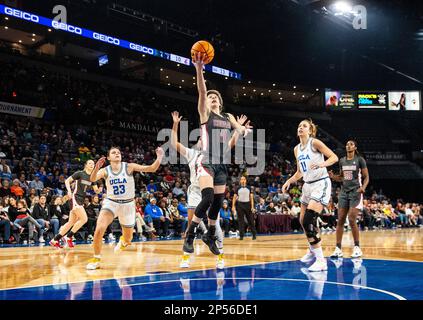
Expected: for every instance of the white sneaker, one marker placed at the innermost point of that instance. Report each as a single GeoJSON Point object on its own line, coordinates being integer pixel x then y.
{"type": "Point", "coordinates": [308, 257]}
{"type": "Point", "coordinates": [356, 252]}
{"type": "Point", "coordinates": [121, 245]}
{"type": "Point", "coordinates": [90, 238]}
{"type": "Point", "coordinates": [337, 253]}
{"type": "Point", "coordinates": [185, 261]}
{"type": "Point", "coordinates": [41, 240]}
{"type": "Point", "coordinates": [318, 265]}
{"type": "Point", "coordinates": [112, 237]}
{"type": "Point", "coordinates": [220, 262]}
{"type": "Point", "coordinates": [93, 264]}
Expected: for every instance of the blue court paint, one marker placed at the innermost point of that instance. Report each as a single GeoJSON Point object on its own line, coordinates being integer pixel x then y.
{"type": "Point", "coordinates": [345, 279]}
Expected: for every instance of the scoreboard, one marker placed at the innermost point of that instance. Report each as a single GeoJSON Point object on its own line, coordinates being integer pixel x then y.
{"type": "Point", "coordinates": [373, 100]}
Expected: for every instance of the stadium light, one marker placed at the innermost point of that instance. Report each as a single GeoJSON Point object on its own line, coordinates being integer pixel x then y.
{"type": "Point", "coordinates": [342, 7]}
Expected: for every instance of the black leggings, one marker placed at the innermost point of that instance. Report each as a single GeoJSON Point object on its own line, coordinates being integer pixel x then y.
{"type": "Point", "coordinates": [243, 209]}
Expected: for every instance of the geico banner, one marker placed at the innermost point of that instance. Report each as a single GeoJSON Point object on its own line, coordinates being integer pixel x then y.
{"type": "Point", "coordinates": [86, 33]}
{"type": "Point", "coordinates": [21, 110]}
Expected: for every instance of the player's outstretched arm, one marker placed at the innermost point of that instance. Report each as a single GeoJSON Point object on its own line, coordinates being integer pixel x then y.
{"type": "Point", "coordinates": [201, 86]}
{"type": "Point", "coordinates": [133, 167]}
{"type": "Point", "coordinates": [98, 173]}
{"type": "Point", "coordinates": [241, 129]}
{"type": "Point", "coordinates": [174, 135]}
{"type": "Point", "coordinates": [240, 120]}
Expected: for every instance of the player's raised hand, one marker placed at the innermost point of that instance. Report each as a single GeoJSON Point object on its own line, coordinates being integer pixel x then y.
{"type": "Point", "coordinates": [175, 116]}
{"type": "Point", "coordinates": [248, 128]}
{"type": "Point", "coordinates": [100, 162]}
{"type": "Point", "coordinates": [159, 152]}
{"type": "Point", "coordinates": [199, 60]}
{"type": "Point", "coordinates": [241, 119]}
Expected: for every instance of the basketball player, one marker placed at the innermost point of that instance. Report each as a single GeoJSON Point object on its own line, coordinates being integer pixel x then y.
{"type": "Point", "coordinates": [119, 202]}
{"type": "Point", "coordinates": [311, 166]}
{"type": "Point", "coordinates": [194, 193]}
{"type": "Point", "coordinates": [244, 203]}
{"type": "Point", "coordinates": [350, 199]}
{"type": "Point", "coordinates": [78, 216]}
{"type": "Point", "coordinates": [210, 165]}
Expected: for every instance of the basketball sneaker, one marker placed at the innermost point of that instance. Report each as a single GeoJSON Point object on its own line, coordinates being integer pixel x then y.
{"type": "Point", "coordinates": [189, 243]}
{"type": "Point", "coordinates": [220, 261]}
{"type": "Point", "coordinates": [308, 257]}
{"type": "Point", "coordinates": [69, 242]}
{"type": "Point", "coordinates": [318, 265]}
{"type": "Point", "coordinates": [121, 245]}
{"type": "Point", "coordinates": [356, 252]}
{"type": "Point", "coordinates": [93, 264]}
{"type": "Point", "coordinates": [185, 261]}
{"type": "Point", "coordinates": [337, 253]}
{"type": "Point", "coordinates": [210, 241]}
{"type": "Point", "coordinates": [56, 244]}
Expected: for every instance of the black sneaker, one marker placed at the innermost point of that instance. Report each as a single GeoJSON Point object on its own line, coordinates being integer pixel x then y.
{"type": "Point", "coordinates": [188, 244]}
{"type": "Point", "coordinates": [210, 241]}
{"type": "Point", "coordinates": [241, 238]}
{"type": "Point", "coordinates": [254, 237]}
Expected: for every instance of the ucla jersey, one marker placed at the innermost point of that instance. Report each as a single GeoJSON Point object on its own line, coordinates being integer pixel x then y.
{"type": "Point", "coordinates": [306, 157]}
{"type": "Point", "coordinates": [120, 186]}
{"type": "Point", "coordinates": [191, 157]}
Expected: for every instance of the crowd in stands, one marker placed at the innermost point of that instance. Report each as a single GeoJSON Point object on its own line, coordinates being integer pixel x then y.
{"type": "Point", "coordinates": [37, 156]}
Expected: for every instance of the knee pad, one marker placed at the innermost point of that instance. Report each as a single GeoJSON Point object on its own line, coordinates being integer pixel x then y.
{"type": "Point", "coordinates": [216, 205]}
{"type": "Point", "coordinates": [207, 196]}
{"type": "Point", "coordinates": [310, 226]}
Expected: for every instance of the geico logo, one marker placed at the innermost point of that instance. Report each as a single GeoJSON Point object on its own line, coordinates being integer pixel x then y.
{"type": "Point", "coordinates": [140, 48]}
{"type": "Point", "coordinates": [66, 27]}
{"type": "Point", "coordinates": [105, 38]}
{"type": "Point", "coordinates": [21, 14]}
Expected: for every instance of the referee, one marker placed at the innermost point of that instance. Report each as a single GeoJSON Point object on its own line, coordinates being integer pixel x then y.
{"type": "Point", "coordinates": [244, 201]}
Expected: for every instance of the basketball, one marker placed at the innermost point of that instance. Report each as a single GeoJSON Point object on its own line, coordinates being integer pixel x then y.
{"type": "Point", "coordinates": [204, 47]}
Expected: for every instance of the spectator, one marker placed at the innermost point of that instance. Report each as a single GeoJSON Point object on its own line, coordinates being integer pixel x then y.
{"type": "Point", "coordinates": [261, 207]}
{"type": "Point", "coordinates": [37, 184]}
{"type": "Point", "coordinates": [271, 208]}
{"type": "Point", "coordinates": [179, 221]}
{"type": "Point", "coordinates": [55, 213]}
{"type": "Point", "coordinates": [5, 224]}
{"type": "Point", "coordinates": [177, 190]}
{"type": "Point", "coordinates": [152, 187]}
{"type": "Point", "coordinates": [93, 209]}
{"type": "Point", "coordinates": [41, 214]}
{"type": "Point", "coordinates": [183, 208]}
{"type": "Point", "coordinates": [159, 220]}
{"type": "Point", "coordinates": [5, 189]}
{"type": "Point", "coordinates": [23, 217]}
{"type": "Point", "coordinates": [16, 189]}
{"type": "Point", "coordinates": [225, 217]}
{"type": "Point", "coordinates": [168, 218]}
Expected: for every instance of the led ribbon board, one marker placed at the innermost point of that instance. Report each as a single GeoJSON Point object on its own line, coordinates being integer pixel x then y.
{"type": "Point", "coordinates": [34, 18]}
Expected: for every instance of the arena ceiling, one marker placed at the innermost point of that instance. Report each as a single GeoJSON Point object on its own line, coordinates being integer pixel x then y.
{"type": "Point", "coordinates": [291, 41]}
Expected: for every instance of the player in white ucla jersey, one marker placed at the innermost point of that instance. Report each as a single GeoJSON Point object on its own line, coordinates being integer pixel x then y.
{"type": "Point", "coordinates": [119, 201]}
{"type": "Point", "coordinates": [311, 166]}
{"type": "Point", "coordinates": [194, 191]}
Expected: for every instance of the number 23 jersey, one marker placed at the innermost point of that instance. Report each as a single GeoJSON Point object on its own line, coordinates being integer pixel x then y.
{"type": "Point", "coordinates": [121, 185]}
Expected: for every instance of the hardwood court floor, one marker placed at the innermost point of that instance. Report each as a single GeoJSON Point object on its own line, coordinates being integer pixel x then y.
{"type": "Point", "coordinates": [44, 265]}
